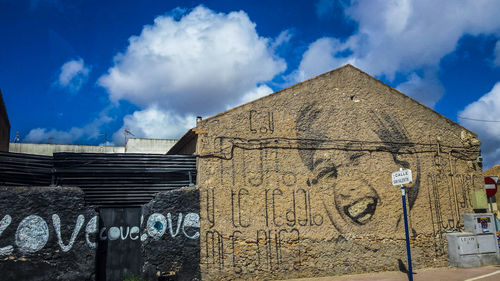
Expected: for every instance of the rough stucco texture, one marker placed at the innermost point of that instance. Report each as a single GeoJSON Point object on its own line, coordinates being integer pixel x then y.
{"type": "Point", "coordinates": [172, 252]}
{"type": "Point", "coordinates": [46, 234]}
{"type": "Point", "coordinates": [298, 183]}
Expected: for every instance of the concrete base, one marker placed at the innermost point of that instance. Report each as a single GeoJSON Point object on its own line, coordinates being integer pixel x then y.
{"type": "Point", "coordinates": [476, 260]}
{"type": "Point", "coordinates": [468, 250]}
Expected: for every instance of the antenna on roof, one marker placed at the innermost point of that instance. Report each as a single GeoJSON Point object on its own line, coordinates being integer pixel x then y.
{"type": "Point", "coordinates": [17, 138]}
{"type": "Point", "coordinates": [105, 139]}
{"type": "Point", "coordinates": [125, 133]}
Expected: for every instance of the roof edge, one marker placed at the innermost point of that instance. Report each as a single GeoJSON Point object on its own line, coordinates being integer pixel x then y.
{"type": "Point", "coordinates": [329, 72]}
{"type": "Point", "coordinates": [186, 138]}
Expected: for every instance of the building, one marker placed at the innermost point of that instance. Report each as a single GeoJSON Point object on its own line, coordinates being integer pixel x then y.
{"type": "Point", "coordinates": [134, 145]}
{"type": "Point", "coordinates": [4, 126]}
{"type": "Point", "coordinates": [298, 183]}
{"type": "Point", "coordinates": [494, 172]}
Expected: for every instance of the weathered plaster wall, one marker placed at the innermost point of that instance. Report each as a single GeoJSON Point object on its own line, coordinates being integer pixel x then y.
{"type": "Point", "coordinates": [172, 250]}
{"type": "Point", "coordinates": [299, 183]}
{"type": "Point", "coordinates": [46, 233]}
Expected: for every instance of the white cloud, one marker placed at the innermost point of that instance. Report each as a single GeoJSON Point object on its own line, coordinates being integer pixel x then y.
{"type": "Point", "coordinates": [153, 122]}
{"type": "Point", "coordinates": [257, 92]}
{"type": "Point", "coordinates": [88, 132]}
{"type": "Point", "coordinates": [320, 57]}
{"type": "Point", "coordinates": [283, 38]}
{"type": "Point", "coordinates": [486, 108]}
{"type": "Point", "coordinates": [496, 60]}
{"type": "Point", "coordinates": [425, 88]}
{"type": "Point", "coordinates": [73, 75]}
{"type": "Point", "coordinates": [403, 36]}
{"type": "Point", "coordinates": [43, 135]}
{"type": "Point", "coordinates": [196, 64]}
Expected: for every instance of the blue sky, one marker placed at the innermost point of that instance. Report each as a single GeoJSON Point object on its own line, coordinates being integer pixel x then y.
{"type": "Point", "coordinates": [71, 71]}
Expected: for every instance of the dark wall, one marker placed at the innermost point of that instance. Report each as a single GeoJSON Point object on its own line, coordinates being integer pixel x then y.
{"type": "Point", "coordinates": [4, 126]}
{"type": "Point", "coordinates": [46, 233]}
{"type": "Point", "coordinates": [171, 248]}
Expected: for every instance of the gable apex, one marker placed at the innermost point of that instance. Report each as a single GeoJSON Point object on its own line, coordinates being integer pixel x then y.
{"type": "Point", "coordinates": [344, 70]}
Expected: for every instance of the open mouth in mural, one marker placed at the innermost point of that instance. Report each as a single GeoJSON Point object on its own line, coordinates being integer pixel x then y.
{"type": "Point", "coordinates": [361, 211]}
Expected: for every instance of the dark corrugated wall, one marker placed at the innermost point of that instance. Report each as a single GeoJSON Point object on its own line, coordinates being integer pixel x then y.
{"type": "Point", "coordinates": [25, 169]}
{"type": "Point", "coordinates": [107, 179]}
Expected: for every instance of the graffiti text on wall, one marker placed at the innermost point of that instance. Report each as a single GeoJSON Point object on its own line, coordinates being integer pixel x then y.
{"type": "Point", "coordinates": [32, 233]}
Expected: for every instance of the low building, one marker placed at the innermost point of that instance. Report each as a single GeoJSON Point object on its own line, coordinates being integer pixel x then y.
{"type": "Point", "coordinates": [149, 146]}
{"type": "Point", "coordinates": [298, 183]}
{"type": "Point", "coordinates": [4, 126]}
{"type": "Point", "coordinates": [134, 145]}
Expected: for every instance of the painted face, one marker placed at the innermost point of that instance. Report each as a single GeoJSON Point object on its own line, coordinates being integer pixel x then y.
{"type": "Point", "coordinates": [354, 184]}
{"type": "Point", "coordinates": [355, 189]}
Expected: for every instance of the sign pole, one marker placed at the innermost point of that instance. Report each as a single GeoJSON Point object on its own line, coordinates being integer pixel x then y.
{"type": "Point", "coordinates": [491, 204]}
{"type": "Point", "coordinates": [401, 178]}
{"type": "Point", "coordinates": [408, 252]}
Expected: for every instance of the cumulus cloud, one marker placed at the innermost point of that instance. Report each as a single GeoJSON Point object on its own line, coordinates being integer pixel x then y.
{"type": "Point", "coordinates": [195, 64]}
{"type": "Point", "coordinates": [401, 36]}
{"type": "Point", "coordinates": [73, 75]}
{"type": "Point", "coordinates": [486, 108]}
{"type": "Point", "coordinates": [425, 88]}
{"type": "Point", "coordinates": [322, 55]}
{"type": "Point", "coordinates": [153, 122]}
{"type": "Point", "coordinates": [496, 60]}
{"type": "Point", "coordinates": [283, 38]}
{"type": "Point", "coordinates": [258, 92]}
{"type": "Point", "coordinates": [88, 132]}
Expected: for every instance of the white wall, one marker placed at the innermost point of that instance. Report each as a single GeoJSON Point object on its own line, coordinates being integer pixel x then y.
{"type": "Point", "coordinates": [134, 145]}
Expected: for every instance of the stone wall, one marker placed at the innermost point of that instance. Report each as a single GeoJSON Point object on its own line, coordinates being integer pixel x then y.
{"type": "Point", "coordinates": [298, 183]}
{"type": "Point", "coordinates": [46, 233]}
{"type": "Point", "coordinates": [172, 251]}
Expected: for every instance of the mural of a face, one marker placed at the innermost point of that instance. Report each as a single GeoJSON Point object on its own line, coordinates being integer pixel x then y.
{"type": "Point", "coordinates": [353, 182]}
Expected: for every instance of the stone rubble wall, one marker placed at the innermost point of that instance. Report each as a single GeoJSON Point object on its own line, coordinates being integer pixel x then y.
{"type": "Point", "coordinates": [46, 233]}
{"type": "Point", "coordinates": [298, 183]}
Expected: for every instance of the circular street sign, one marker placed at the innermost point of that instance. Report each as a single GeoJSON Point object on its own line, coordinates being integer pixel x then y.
{"type": "Point", "coordinates": [490, 185]}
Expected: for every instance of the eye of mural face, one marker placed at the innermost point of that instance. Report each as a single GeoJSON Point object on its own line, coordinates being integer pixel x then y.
{"type": "Point", "coordinates": [324, 169]}
{"type": "Point", "coordinates": [355, 158]}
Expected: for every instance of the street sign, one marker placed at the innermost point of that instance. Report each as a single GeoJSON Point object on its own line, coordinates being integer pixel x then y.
{"type": "Point", "coordinates": [490, 185]}
{"type": "Point", "coordinates": [401, 177]}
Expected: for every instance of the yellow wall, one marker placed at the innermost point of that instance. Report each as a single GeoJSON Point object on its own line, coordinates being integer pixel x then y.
{"type": "Point", "coordinates": [299, 183]}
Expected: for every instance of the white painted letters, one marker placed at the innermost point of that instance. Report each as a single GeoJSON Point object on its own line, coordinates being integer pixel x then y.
{"type": "Point", "coordinates": [113, 233]}
{"type": "Point", "coordinates": [156, 225]}
{"type": "Point", "coordinates": [170, 224]}
{"type": "Point", "coordinates": [123, 237]}
{"type": "Point", "coordinates": [91, 229]}
{"type": "Point", "coordinates": [32, 234]}
{"type": "Point", "coordinates": [4, 223]}
{"type": "Point", "coordinates": [134, 230]}
{"type": "Point", "coordinates": [191, 220]}
{"type": "Point", "coordinates": [57, 227]}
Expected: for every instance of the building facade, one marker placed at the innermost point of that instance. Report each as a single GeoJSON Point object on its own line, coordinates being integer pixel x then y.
{"type": "Point", "coordinates": [4, 126]}
{"type": "Point", "coordinates": [298, 183]}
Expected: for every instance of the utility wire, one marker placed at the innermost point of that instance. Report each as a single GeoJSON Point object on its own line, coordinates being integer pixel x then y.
{"type": "Point", "coordinates": [480, 120]}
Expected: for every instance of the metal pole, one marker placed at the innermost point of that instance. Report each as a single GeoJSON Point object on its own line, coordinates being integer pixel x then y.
{"type": "Point", "coordinates": [408, 252]}
{"type": "Point", "coordinates": [491, 204]}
